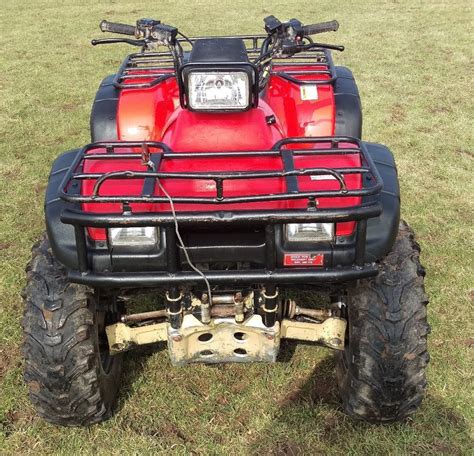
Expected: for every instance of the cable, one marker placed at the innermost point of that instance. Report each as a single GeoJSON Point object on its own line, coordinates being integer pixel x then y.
{"type": "Point", "coordinates": [181, 243]}
{"type": "Point", "coordinates": [186, 38]}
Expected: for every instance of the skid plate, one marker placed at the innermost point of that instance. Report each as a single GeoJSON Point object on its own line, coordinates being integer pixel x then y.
{"type": "Point", "coordinates": [223, 340]}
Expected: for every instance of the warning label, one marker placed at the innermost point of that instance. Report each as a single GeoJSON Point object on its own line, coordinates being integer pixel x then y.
{"type": "Point", "coordinates": [303, 259]}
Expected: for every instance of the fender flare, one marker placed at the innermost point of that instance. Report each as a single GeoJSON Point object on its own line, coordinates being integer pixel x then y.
{"type": "Point", "coordinates": [348, 104]}
{"type": "Point", "coordinates": [103, 120]}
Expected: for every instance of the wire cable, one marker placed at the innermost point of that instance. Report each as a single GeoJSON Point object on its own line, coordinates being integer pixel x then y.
{"type": "Point", "coordinates": [181, 242]}
{"type": "Point", "coordinates": [186, 38]}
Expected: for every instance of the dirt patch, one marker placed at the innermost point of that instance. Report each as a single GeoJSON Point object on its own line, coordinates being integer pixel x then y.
{"type": "Point", "coordinates": [222, 400]}
{"type": "Point", "coordinates": [287, 449]}
{"type": "Point", "coordinates": [397, 113]}
{"type": "Point", "coordinates": [11, 174]}
{"type": "Point", "coordinates": [469, 342]}
{"type": "Point", "coordinates": [171, 430]}
{"type": "Point", "coordinates": [24, 416]}
{"type": "Point", "coordinates": [331, 426]}
{"type": "Point", "coordinates": [439, 109]}
{"type": "Point", "coordinates": [243, 419]}
{"type": "Point", "coordinates": [5, 245]}
{"type": "Point", "coordinates": [441, 447]}
{"type": "Point", "coordinates": [40, 188]}
{"type": "Point", "coordinates": [14, 418]}
{"type": "Point", "coordinates": [469, 153]}
{"type": "Point", "coordinates": [68, 107]}
{"type": "Point", "coordinates": [9, 358]}
{"type": "Point", "coordinates": [436, 447]}
{"type": "Point", "coordinates": [239, 387]}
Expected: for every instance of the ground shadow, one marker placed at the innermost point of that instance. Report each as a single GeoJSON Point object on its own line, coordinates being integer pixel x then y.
{"type": "Point", "coordinates": [314, 407]}
{"type": "Point", "coordinates": [134, 365]}
{"type": "Point", "coordinates": [319, 388]}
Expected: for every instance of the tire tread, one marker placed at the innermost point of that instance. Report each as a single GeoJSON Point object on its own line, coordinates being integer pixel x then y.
{"type": "Point", "coordinates": [381, 375]}
{"type": "Point", "coordinates": [62, 367]}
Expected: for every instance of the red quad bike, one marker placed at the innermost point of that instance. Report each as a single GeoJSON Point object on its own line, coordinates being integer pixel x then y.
{"type": "Point", "coordinates": [225, 173]}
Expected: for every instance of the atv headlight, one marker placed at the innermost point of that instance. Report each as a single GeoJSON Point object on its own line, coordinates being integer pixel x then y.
{"type": "Point", "coordinates": [309, 232]}
{"type": "Point", "coordinates": [218, 90]}
{"type": "Point", "coordinates": [133, 236]}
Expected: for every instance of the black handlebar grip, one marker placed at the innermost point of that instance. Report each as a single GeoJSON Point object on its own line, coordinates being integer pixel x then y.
{"type": "Point", "coordinates": [313, 29]}
{"type": "Point", "coordinates": [114, 27]}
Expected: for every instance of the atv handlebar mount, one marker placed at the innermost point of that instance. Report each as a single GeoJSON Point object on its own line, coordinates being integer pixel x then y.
{"type": "Point", "coordinates": [283, 39]}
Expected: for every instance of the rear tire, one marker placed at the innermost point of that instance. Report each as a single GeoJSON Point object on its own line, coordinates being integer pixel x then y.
{"type": "Point", "coordinates": [381, 373]}
{"type": "Point", "coordinates": [72, 379]}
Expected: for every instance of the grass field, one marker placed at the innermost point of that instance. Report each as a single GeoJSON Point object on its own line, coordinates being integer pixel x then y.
{"type": "Point", "coordinates": [413, 62]}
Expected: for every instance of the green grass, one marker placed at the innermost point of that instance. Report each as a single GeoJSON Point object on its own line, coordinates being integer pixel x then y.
{"type": "Point", "coordinates": [413, 63]}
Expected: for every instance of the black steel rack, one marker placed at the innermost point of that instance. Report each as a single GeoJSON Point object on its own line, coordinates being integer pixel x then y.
{"type": "Point", "coordinates": [147, 69]}
{"type": "Point", "coordinates": [152, 154]}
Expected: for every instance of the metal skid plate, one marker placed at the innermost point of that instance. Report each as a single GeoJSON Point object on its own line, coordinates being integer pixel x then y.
{"type": "Point", "coordinates": [223, 340]}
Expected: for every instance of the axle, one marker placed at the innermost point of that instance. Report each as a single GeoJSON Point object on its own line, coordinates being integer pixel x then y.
{"type": "Point", "coordinates": [234, 305]}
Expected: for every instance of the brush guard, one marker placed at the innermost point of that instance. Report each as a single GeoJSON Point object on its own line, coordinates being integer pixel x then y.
{"type": "Point", "coordinates": [153, 154]}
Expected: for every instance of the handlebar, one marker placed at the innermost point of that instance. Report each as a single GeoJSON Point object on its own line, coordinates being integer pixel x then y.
{"type": "Point", "coordinates": [115, 27]}
{"type": "Point", "coordinates": [322, 27]}
{"type": "Point", "coordinates": [283, 39]}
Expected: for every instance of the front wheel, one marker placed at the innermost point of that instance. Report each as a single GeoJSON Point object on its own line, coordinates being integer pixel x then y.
{"type": "Point", "coordinates": [72, 378]}
{"type": "Point", "coordinates": [381, 372]}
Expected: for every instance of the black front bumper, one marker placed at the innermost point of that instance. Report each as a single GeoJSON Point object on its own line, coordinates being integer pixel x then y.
{"type": "Point", "coordinates": [243, 277]}
{"type": "Point", "coordinates": [348, 259]}
{"type": "Point", "coordinates": [348, 255]}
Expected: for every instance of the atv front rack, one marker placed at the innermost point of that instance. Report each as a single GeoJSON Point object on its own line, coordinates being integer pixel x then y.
{"type": "Point", "coordinates": [153, 154]}
{"type": "Point", "coordinates": [268, 219]}
{"type": "Point", "coordinates": [147, 69]}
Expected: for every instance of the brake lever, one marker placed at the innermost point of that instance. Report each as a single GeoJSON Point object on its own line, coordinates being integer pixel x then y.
{"type": "Point", "coordinates": [307, 47]}
{"type": "Point", "coordinates": [334, 47]}
{"type": "Point", "coordinates": [139, 43]}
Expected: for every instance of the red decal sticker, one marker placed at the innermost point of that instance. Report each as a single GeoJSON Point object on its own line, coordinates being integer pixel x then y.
{"type": "Point", "coordinates": [303, 259]}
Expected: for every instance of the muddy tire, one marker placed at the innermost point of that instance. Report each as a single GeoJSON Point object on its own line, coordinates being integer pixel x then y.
{"type": "Point", "coordinates": [72, 379]}
{"type": "Point", "coordinates": [381, 373]}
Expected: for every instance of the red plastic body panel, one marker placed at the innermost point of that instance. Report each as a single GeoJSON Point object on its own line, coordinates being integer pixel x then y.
{"type": "Point", "coordinates": [154, 114]}
{"type": "Point", "coordinates": [298, 117]}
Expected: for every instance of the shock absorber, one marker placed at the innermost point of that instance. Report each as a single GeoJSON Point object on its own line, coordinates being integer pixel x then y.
{"type": "Point", "coordinates": [270, 305]}
{"type": "Point", "coordinates": [174, 307]}
{"type": "Point", "coordinates": [205, 309]}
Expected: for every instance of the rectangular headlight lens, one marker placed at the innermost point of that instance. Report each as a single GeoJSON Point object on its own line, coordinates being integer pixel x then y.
{"type": "Point", "coordinates": [218, 90]}
{"type": "Point", "coordinates": [133, 236]}
{"type": "Point", "coordinates": [309, 232]}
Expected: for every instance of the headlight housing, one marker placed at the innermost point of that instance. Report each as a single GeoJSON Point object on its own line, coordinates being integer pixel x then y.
{"type": "Point", "coordinates": [218, 90]}
{"type": "Point", "coordinates": [218, 77]}
{"type": "Point", "coordinates": [134, 236]}
{"type": "Point", "coordinates": [309, 232]}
